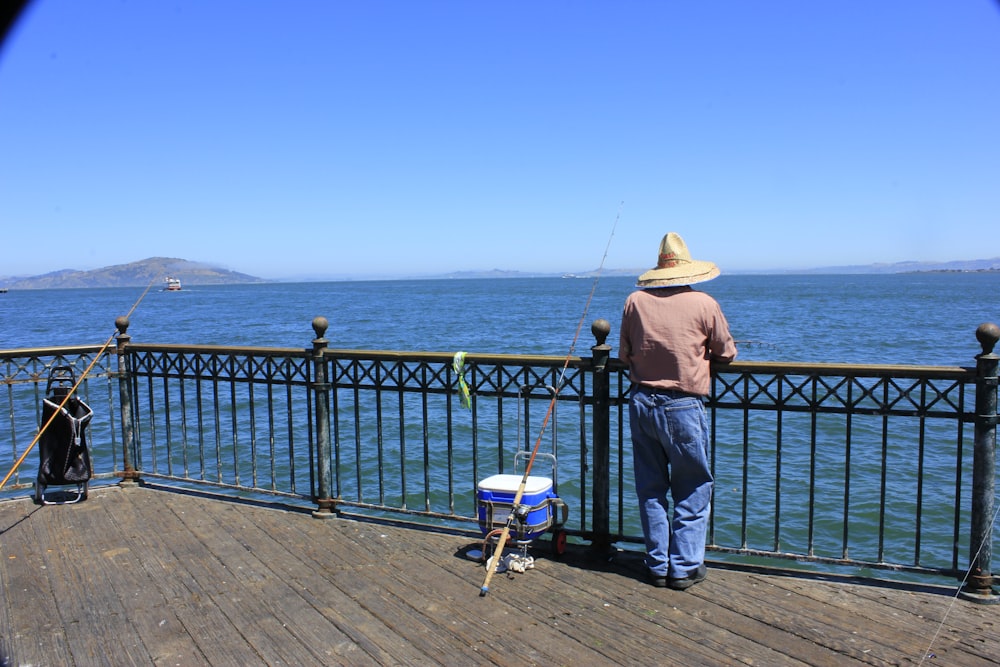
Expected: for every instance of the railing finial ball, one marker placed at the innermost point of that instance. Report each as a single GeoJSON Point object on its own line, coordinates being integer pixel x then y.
{"type": "Point", "coordinates": [600, 328]}
{"type": "Point", "coordinates": [320, 325]}
{"type": "Point", "coordinates": [988, 334]}
{"type": "Point", "coordinates": [121, 323]}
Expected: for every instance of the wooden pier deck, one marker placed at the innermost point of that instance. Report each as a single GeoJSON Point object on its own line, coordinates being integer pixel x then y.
{"type": "Point", "coordinates": [147, 576]}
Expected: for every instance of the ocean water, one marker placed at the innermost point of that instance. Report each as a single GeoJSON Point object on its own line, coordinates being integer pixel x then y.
{"type": "Point", "coordinates": [923, 318]}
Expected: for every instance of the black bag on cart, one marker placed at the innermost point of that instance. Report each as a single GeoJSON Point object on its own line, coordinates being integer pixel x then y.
{"type": "Point", "coordinates": [62, 448]}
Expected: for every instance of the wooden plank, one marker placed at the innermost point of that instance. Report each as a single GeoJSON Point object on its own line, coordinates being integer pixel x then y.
{"type": "Point", "coordinates": [149, 613]}
{"type": "Point", "coordinates": [563, 617]}
{"type": "Point", "coordinates": [916, 625]}
{"type": "Point", "coordinates": [163, 551]}
{"type": "Point", "coordinates": [657, 624]}
{"type": "Point", "coordinates": [293, 630]}
{"type": "Point", "coordinates": [155, 577]}
{"type": "Point", "coordinates": [416, 605]}
{"type": "Point", "coordinates": [35, 633]}
{"type": "Point", "coordinates": [88, 608]}
{"type": "Point", "coordinates": [222, 580]}
{"type": "Point", "coordinates": [585, 617]}
{"type": "Point", "coordinates": [689, 627]}
{"type": "Point", "coordinates": [338, 617]}
{"type": "Point", "coordinates": [838, 627]}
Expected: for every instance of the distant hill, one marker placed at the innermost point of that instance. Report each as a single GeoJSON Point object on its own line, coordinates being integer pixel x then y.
{"type": "Point", "coordinates": [962, 266]}
{"type": "Point", "coordinates": [135, 274]}
{"type": "Point", "coordinates": [140, 274]}
{"type": "Point", "coordinates": [958, 266]}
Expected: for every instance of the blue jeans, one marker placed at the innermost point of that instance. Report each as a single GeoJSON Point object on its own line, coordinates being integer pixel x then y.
{"type": "Point", "coordinates": [670, 455]}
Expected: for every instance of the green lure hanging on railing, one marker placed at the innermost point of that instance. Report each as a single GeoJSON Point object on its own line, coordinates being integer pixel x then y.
{"type": "Point", "coordinates": [458, 365]}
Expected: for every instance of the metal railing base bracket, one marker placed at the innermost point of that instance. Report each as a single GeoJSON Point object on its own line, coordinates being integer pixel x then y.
{"type": "Point", "coordinates": [979, 596]}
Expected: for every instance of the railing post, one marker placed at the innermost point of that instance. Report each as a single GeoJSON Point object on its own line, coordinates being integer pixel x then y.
{"type": "Point", "coordinates": [321, 397]}
{"type": "Point", "coordinates": [130, 476]}
{"type": "Point", "coordinates": [601, 426]}
{"type": "Point", "coordinates": [979, 585]}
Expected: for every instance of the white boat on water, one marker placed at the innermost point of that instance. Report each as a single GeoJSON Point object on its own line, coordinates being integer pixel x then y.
{"type": "Point", "coordinates": [173, 284]}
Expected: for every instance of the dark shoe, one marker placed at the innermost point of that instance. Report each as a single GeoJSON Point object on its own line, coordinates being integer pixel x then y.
{"type": "Point", "coordinates": [684, 583]}
{"type": "Point", "coordinates": [657, 580]}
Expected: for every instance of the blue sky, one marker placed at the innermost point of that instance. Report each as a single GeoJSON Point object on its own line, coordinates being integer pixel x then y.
{"type": "Point", "coordinates": [372, 138]}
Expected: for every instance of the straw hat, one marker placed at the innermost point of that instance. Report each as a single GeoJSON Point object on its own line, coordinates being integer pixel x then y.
{"type": "Point", "coordinates": [675, 266]}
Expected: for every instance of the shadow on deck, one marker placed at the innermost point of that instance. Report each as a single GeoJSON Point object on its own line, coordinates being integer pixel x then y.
{"type": "Point", "coordinates": [149, 576]}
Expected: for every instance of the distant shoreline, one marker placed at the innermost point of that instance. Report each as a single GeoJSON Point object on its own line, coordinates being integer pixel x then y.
{"type": "Point", "coordinates": [527, 276]}
{"type": "Point", "coordinates": [145, 272]}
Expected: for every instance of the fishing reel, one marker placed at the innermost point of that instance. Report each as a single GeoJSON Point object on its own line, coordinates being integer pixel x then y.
{"type": "Point", "coordinates": [521, 512]}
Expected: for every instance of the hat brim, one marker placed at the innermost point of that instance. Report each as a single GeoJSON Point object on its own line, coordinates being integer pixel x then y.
{"type": "Point", "coordinates": [697, 271]}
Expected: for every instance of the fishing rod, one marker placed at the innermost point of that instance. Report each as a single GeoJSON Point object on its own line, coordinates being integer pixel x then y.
{"type": "Point", "coordinates": [72, 390]}
{"type": "Point", "coordinates": [494, 561]}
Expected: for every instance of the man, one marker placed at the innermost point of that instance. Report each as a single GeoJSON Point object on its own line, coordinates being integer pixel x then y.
{"type": "Point", "coordinates": [670, 334]}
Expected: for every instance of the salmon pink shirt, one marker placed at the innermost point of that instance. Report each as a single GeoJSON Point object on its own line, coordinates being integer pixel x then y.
{"type": "Point", "coordinates": [670, 335]}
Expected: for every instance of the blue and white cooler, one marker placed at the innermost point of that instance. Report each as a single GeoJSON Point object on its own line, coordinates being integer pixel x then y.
{"type": "Point", "coordinates": [540, 509]}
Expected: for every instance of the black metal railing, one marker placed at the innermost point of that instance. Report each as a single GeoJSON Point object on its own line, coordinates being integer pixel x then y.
{"type": "Point", "coordinates": [850, 453]}
{"type": "Point", "coordinates": [884, 467]}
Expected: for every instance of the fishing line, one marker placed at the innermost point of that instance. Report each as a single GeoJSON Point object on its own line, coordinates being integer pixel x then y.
{"type": "Point", "coordinates": [961, 585]}
{"type": "Point", "coordinates": [73, 389]}
{"type": "Point", "coordinates": [493, 562]}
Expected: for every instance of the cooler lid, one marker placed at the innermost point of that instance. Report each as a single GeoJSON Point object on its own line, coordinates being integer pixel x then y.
{"type": "Point", "coordinates": [533, 485]}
